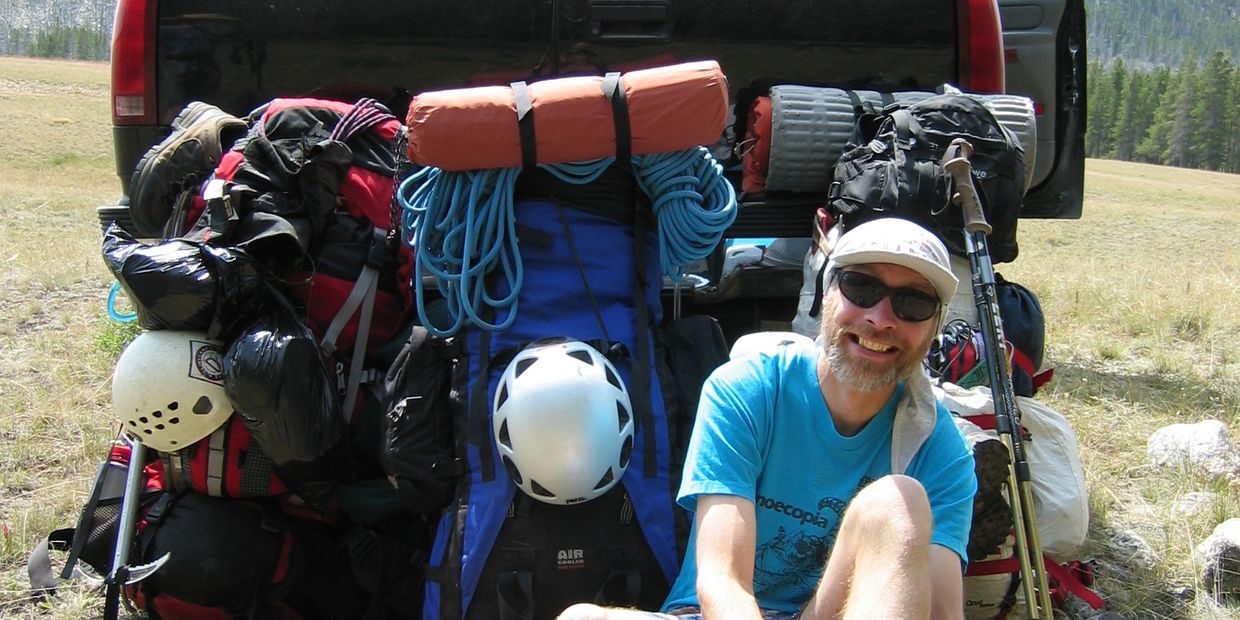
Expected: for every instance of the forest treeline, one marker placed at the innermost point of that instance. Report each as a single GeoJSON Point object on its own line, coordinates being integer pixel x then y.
{"type": "Point", "coordinates": [1150, 33]}
{"type": "Point", "coordinates": [1187, 117]}
{"type": "Point", "coordinates": [78, 42]}
{"type": "Point", "coordinates": [77, 29]}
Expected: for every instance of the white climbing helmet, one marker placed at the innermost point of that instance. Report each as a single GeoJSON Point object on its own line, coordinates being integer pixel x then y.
{"type": "Point", "coordinates": [563, 422]}
{"type": "Point", "coordinates": [168, 388]}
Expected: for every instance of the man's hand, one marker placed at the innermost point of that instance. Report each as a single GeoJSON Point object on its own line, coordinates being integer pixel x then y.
{"type": "Point", "coordinates": [726, 533]}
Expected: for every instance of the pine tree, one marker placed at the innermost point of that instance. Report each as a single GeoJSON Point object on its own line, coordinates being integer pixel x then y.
{"type": "Point", "coordinates": [1178, 150]}
{"type": "Point", "coordinates": [1101, 96]}
{"type": "Point", "coordinates": [1125, 133]}
{"type": "Point", "coordinates": [1166, 92]}
{"type": "Point", "coordinates": [1232, 163]}
{"type": "Point", "coordinates": [1211, 113]}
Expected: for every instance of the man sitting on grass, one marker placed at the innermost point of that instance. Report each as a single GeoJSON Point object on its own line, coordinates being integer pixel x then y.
{"type": "Point", "coordinates": [825, 480]}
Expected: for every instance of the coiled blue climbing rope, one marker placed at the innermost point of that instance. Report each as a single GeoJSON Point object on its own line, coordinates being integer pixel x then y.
{"type": "Point", "coordinates": [462, 227]}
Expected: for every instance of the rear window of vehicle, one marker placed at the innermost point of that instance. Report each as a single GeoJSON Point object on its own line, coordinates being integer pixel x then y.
{"type": "Point", "coordinates": [239, 53]}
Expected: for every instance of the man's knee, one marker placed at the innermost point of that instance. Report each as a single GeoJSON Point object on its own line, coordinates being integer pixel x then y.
{"type": "Point", "coordinates": [583, 611]}
{"type": "Point", "coordinates": [895, 506]}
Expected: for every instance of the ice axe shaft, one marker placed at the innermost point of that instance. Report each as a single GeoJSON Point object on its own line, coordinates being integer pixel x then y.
{"type": "Point", "coordinates": [1007, 417]}
{"type": "Point", "coordinates": [122, 573]}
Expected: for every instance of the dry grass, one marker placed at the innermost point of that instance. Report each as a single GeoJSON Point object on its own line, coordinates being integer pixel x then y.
{"type": "Point", "coordinates": [55, 167]}
{"type": "Point", "coordinates": [1140, 295]}
{"type": "Point", "coordinates": [1142, 298]}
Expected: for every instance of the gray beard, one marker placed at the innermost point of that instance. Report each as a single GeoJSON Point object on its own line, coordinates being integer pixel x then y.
{"type": "Point", "coordinates": [859, 374]}
{"type": "Point", "coordinates": [856, 374]}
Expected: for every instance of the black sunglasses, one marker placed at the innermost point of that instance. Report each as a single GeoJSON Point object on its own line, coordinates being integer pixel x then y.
{"type": "Point", "coordinates": [866, 291]}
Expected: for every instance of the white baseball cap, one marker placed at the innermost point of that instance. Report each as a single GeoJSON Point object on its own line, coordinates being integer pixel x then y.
{"type": "Point", "coordinates": [899, 242]}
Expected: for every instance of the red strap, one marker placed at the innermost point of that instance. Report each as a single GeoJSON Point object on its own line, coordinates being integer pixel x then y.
{"type": "Point", "coordinates": [1063, 579]}
{"type": "Point", "coordinates": [993, 567]}
{"type": "Point", "coordinates": [1043, 378]}
{"type": "Point", "coordinates": [1020, 360]}
{"type": "Point", "coordinates": [984, 421]}
{"type": "Point", "coordinates": [1067, 581]}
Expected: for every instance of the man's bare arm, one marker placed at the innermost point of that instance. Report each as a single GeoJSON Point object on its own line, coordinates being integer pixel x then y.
{"type": "Point", "coordinates": [946, 586]}
{"type": "Point", "coordinates": [726, 534]}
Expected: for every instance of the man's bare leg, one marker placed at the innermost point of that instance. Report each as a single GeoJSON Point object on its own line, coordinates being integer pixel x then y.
{"type": "Point", "coordinates": [880, 563]}
{"type": "Point", "coordinates": [586, 611]}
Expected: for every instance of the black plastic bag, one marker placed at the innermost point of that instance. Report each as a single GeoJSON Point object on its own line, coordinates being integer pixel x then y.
{"type": "Point", "coordinates": [169, 283]}
{"type": "Point", "coordinates": [278, 381]}
{"type": "Point", "coordinates": [185, 285]}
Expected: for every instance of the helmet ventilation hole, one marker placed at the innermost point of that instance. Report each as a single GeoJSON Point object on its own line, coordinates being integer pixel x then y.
{"type": "Point", "coordinates": [583, 356]}
{"type": "Point", "coordinates": [203, 405]}
{"type": "Point", "coordinates": [622, 413]}
{"type": "Point", "coordinates": [522, 365]}
{"type": "Point", "coordinates": [540, 490]}
{"type": "Point", "coordinates": [513, 472]}
{"type": "Point", "coordinates": [626, 451]}
{"type": "Point", "coordinates": [504, 439]}
{"type": "Point", "coordinates": [502, 396]}
{"type": "Point", "coordinates": [607, 479]}
{"type": "Point", "coordinates": [613, 379]}
{"type": "Point", "coordinates": [172, 406]}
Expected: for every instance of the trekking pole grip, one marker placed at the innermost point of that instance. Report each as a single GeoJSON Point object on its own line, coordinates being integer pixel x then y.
{"type": "Point", "coordinates": [956, 163]}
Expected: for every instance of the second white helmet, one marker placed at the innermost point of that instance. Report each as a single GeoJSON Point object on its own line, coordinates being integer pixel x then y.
{"type": "Point", "coordinates": [563, 421]}
{"type": "Point", "coordinates": [168, 388]}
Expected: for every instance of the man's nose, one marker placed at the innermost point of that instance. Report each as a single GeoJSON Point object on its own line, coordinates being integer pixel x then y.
{"type": "Point", "coordinates": [881, 315]}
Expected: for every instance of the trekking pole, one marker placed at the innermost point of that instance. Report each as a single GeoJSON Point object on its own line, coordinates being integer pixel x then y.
{"type": "Point", "coordinates": [1007, 416]}
{"type": "Point", "coordinates": [122, 573]}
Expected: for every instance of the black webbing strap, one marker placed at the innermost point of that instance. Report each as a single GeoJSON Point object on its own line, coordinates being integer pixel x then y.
{"type": "Point", "coordinates": [525, 123]}
{"type": "Point", "coordinates": [859, 106]}
{"type": "Point", "coordinates": [477, 421]}
{"type": "Point", "coordinates": [85, 519]}
{"type": "Point", "coordinates": [515, 591]}
{"type": "Point", "coordinates": [642, 407]}
{"type": "Point", "coordinates": [819, 290]}
{"type": "Point", "coordinates": [613, 89]}
{"type": "Point", "coordinates": [39, 565]}
{"type": "Point", "coordinates": [581, 272]}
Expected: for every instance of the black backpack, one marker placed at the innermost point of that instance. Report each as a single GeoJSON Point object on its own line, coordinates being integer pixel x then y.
{"type": "Point", "coordinates": [892, 167]}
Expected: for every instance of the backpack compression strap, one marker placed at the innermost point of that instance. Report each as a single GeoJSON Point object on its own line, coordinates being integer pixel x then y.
{"type": "Point", "coordinates": [362, 298]}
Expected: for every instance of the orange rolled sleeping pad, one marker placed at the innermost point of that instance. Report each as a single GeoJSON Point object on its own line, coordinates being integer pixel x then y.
{"type": "Point", "coordinates": [570, 119]}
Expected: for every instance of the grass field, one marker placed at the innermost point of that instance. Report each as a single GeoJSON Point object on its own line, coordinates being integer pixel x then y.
{"type": "Point", "coordinates": [1142, 298]}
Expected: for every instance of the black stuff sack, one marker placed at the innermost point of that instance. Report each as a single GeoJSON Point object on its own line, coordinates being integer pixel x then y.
{"type": "Point", "coordinates": [277, 379]}
{"type": "Point", "coordinates": [184, 285]}
{"type": "Point", "coordinates": [417, 449]}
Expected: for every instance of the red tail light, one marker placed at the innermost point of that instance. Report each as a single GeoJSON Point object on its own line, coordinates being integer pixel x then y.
{"type": "Point", "coordinates": [133, 63]}
{"type": "Point", "coordinates": [980, 46]}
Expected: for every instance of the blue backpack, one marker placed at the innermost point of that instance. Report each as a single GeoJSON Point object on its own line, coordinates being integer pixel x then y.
{"type": "Point", "coordinates": [589, 271]}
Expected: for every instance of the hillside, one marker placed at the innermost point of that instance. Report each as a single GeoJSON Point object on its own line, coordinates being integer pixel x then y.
{"type": "Point", "coordinates": [1149, 33]}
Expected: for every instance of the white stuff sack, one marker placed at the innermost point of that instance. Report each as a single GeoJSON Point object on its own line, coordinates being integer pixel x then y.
{"type": "Point", "coordinates": [984, 594]}
{"type": "Point", "coordinates": [1060, 499]}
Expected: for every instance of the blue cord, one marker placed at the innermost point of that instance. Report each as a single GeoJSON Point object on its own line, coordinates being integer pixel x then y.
{"type": "Point", "coordinates": [462, 226]}
{"type": "Point", "coordinates": [693, 204]}
{"type": "Point", "coordinates": [113, 313]}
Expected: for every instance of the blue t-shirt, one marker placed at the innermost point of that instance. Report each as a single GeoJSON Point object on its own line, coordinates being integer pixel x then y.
{"type": "Point", "coordinates": [763, 432]}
